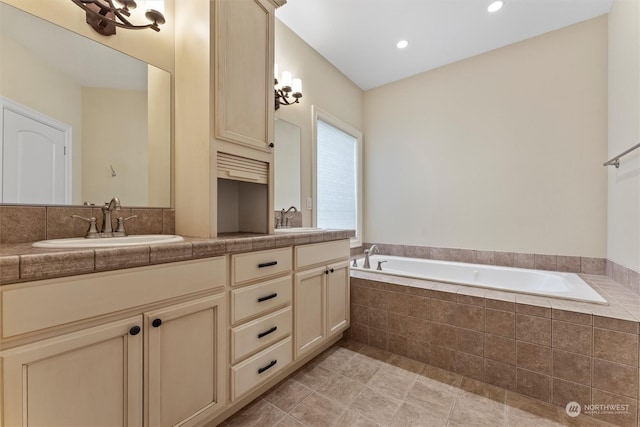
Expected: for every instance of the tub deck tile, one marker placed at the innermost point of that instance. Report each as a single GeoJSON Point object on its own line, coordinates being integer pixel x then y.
{"type": "Point", "coordinates": [565, 305]}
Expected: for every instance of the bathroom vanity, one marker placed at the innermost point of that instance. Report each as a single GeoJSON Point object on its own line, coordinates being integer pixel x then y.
{"type": "Point", "coordinates": [179, 343]}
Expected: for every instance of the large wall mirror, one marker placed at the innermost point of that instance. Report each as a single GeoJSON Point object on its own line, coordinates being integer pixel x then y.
{"type": "Point", "coordinates": [287, 165]}
{"type": "Point", "coordinates": [81, 122]}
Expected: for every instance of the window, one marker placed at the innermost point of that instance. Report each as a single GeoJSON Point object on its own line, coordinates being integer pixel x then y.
{"type": "Point", "coordinates": [338, 175]}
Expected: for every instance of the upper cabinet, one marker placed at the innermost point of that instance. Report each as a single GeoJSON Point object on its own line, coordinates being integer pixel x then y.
{"type": "Point", "coordinates": [243, 60]}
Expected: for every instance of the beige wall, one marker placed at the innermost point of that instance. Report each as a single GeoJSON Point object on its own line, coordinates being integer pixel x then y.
{"type": "Point", "coordinates": [114, 133]}
{"type": "Point", "coordinates": [27, 80]}
{"type": "Point", "coordinates": [623, 230]}
{"type": "Point", "coordinates": [323, 86]}
{"type": "Point", "coordinates": [502, 151]}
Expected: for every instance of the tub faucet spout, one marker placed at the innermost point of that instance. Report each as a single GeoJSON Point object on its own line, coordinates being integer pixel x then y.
{"type": "Point", "coordinates": [372, 250]}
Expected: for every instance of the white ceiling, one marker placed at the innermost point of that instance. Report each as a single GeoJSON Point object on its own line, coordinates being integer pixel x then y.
{"type": "Point", "coordinates": [359, 36]}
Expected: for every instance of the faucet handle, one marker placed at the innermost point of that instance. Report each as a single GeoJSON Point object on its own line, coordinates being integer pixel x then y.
{"type": "Point", "coordinates": [93, 230]}
{"type": "Point", "coordinates": [380, 265]}
{"type": "Point", "coordinates": [121, 221]}
{"type": "Point", "coordinates": [355, 263]}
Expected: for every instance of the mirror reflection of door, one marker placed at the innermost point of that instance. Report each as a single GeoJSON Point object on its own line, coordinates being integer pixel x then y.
{"type": "Point", "coordinates": [35, 153]}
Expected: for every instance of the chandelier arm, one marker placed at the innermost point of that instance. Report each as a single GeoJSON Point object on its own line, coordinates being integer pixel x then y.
{"type": "Point", "coordinates": [284, 97]}
{"type": "Point", "coordinates": [116, 11]}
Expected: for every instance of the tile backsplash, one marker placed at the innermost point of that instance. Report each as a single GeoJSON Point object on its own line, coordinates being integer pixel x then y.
{"type": "Point", "coordinates": [24, 224]}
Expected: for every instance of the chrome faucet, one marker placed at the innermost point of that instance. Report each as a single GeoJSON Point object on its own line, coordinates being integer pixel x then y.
{"type": "Point", "coordinates": [372, 250]}
{"type": "Point", "coordinates": [107, 229]}
{"type": "Point", "coordinates": [285, 217]}
{"type": "Point", "coordinates": [109, 207]}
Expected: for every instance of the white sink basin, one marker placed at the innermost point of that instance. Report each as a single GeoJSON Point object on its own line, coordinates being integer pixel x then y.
{"type": "Point", "coordinates": [299, 230]}
{"type": "Point", "coordinates": [107, 242]}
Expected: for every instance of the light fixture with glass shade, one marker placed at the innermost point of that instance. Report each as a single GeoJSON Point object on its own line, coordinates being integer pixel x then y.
{"type": "Point", "coordinates": [105, 15]}
{"type": "Point", "coordinates": [286, 89]}
{"type": "Point", "coordinates": [495, 6]}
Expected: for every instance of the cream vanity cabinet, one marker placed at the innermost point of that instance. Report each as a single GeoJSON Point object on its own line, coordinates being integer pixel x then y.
{"type": "Point", "coordinates": [142, 346]}
{"type": "Point", "coordinates": [261, 343]}
{"type": "Point", "coordinates": [321, 288]}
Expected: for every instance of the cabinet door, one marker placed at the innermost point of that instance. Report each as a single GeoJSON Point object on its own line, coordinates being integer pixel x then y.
{"type": "Point", "coordinates": [91, 377]}
{"type": "Point", "coordinates": [310, 319]}
{"type": "Point", "coordinates": [185, 354]}
{"type": "Point", "coordinates": [244, 72]}
{"type": "Point", "coordinates": [337, 298]}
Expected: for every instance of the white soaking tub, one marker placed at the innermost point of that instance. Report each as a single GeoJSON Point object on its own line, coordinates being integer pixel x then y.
{"type": "Point", "coordinates": [533, 282]}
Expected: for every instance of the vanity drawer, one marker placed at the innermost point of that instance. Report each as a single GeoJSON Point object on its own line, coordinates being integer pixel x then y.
{"type": "Point", "coordinates": [258, 299]}
{"type": "Point", "coordinates": [29, 307]}
{"type": "Point", "coordinates": [321, 253]}
{"type": "Point", "coordinates": [259, 368]}
{"type": "Point", "coordinates": [258, 265]}
{"type": "Point", "coordinates": [260, 333]}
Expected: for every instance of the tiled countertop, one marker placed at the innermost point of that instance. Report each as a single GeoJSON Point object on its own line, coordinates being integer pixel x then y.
{"type": "Point", "coordinates": [21, 262]}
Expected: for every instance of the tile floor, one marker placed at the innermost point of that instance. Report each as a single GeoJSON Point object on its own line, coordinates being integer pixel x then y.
{"type": "Point", "coordinates": [352, 384]}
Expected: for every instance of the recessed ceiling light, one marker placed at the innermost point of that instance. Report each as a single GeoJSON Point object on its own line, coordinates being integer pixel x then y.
{"type": "Point", "coordinates": [402, 44]}
{"type": "Point", "coordinates": [495, 6]}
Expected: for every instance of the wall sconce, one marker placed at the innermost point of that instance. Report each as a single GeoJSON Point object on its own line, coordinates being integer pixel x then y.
{"type": "Point", "coordinates": [288, 86]}
{"type": "Point", "coordinates": [104, 16]}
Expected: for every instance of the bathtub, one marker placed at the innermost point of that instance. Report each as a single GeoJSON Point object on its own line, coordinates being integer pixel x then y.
{"type": "Point", "coordinates": [533, 282]}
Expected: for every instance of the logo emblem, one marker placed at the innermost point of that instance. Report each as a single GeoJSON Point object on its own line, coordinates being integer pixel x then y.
{"type": "Point", "coordinates": [573, 409]}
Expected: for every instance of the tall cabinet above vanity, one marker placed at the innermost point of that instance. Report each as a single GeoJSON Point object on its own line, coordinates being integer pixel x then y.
{"type": "Point", "coordinates": [234, 159]}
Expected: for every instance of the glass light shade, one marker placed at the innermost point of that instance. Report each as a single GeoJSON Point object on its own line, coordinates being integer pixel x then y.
{"type": "Point", "coordinates": [286, 79]}
{"type": "Point", "coordinates": [495, 6]}
{"type": "Point", "coordinates": [297, 86]}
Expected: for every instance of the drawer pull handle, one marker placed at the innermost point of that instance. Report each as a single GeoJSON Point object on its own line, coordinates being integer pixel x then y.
{"type": "Point", "coordinates": [265, 333]}
{"type": "Point", "coordinates": [268, 297]}
{"type": "Point", "coordinates": [135, 330]}
{"type": "Point", "coordinates": [269, 366]}
{"type": "Point", "coordinates": [267, 264]}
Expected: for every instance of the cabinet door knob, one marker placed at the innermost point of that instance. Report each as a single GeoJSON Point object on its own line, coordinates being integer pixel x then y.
{"type": "Point", "coordinates": [135, 330]}
{"type": "Point", "coordinates": [271, 145]}
{"type": "Point", "coordinates": [156, 323]}
{"type": "Point", "coordinates": [331, 270]}
{"type": "Point", "coordinates": [326, 272]}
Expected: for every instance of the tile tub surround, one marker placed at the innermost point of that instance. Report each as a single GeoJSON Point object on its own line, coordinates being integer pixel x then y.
{"type": "Point", "coordinates": [353, 384]}
{"type": "Point", "coordinates": [24, 224]}
{"type": "Point", "coordinates": [627, 277]}
{"type": "Point", "coordinates": [568, 264]}
{"type": "Point", "coordinates": [551, 350]}
{"type": "Point", "coordinates": [21, 262]}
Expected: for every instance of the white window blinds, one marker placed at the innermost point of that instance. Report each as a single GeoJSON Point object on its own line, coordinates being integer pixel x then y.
{"type": "Point", "coordinates": [337, 167]}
